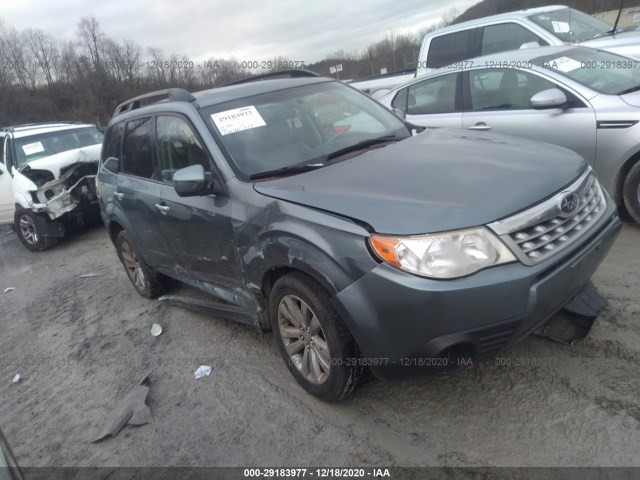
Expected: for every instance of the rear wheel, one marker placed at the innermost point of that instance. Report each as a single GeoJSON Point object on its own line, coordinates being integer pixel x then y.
{"type": "Point", "coordinates": [146, 281]}
{"type": "Point", "coordinates": [28, 226]}
{"type": "Point", "coordinates": [631, 192]}
{"type": "Point", "coordinates": [318, 349]}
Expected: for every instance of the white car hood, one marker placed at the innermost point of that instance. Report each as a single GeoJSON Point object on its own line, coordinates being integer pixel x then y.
{"type": "Point", "coordinates": [624, 43]}
{"type": "Point", "coordinates": [632, 99]}
{"type": "Point", "coordinates": [55, 163]}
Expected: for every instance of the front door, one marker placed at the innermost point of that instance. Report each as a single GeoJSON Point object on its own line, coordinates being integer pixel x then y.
{"type": "Point", "coordinates": [499, 102]}
{"type": "Point", "coordinates": [7, 205]}
{"type": "Point", "coordinates": [199, 228]}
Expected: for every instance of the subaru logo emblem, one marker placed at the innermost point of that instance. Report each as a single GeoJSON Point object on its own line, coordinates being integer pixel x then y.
{"type": "Point", "coordinates": [569, 203]}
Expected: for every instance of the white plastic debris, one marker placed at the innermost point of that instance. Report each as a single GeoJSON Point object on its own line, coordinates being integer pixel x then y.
{"type": "Point", "coordinates": [91, 275]}
{"type": "Point", "coordinates": [203, 371]}
{"type": "Point", "coordinates": [9, 289]}
{"type": "Point", "coordinates": [156, 330]}
{"type": "Point", "coordinates": [17, 378]}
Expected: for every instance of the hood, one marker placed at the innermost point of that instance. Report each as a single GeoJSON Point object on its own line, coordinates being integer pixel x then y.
{"type": "Point", "coordinates": [624, 43]}
{"type": "Point", "coordinates": [632, 99]}
{"type": "Point", "coordinates": [54, 163]}
{"type": "Point", "coordinates": [438, 180]}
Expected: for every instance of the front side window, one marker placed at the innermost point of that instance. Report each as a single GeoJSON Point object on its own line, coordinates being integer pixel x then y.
{"type": "Point", "coordinates": [35, 147]}
{"type": "Point", "coordinates": [504, 89]}
{"type": "Point", "coordinates": [453, 47]}
{"type": "Point", "coordinates": [507, 36]}
{"type": "Point", "coordinates": [305, 125]}
{"type": "Point", "coordinates": [137, 154]}
{"type": "Point", "coordinates": [570, 25]}
{"type": "Point", "coordinates": [178, 147]}
{"type": "Point", "coordinates": [436, 95]}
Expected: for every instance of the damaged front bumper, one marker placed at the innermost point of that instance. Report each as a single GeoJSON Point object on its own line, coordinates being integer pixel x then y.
{"type": "Point", "coordinates": [56, 199]}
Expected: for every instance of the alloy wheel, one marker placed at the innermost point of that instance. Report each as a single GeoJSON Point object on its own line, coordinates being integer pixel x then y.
{"type": "Point", "coordinates": [132, 265]}
{"type": "Point", "coordinates": [304, 339]}
{"type": "Point", "coordinates": [28, 230]}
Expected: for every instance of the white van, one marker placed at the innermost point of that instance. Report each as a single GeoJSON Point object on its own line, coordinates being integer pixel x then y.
{"type": "Point", "coordinates": [551, 25]}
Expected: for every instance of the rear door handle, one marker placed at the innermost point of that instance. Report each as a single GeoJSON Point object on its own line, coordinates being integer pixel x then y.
{"type": "Point", "coordinates": [480, 126]}
{"type": "Point", "coordinates": [118, 195]}
{"type": "Point", "coordinates": [162, 208]}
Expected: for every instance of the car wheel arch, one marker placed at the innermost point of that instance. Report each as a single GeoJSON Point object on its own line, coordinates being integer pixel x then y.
{"type": "Point", "coordinates": [621, 177]}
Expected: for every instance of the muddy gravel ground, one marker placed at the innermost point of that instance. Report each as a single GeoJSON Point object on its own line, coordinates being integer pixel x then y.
{"type": "Point", "coordinates": [81, 344]}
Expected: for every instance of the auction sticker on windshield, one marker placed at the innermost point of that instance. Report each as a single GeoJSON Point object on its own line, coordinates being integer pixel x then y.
{"type": "Point", "coordinates": [32, 148]}
{"type": "Point", "coordinates": [237, 120]}
{"type": "Point", "coordinates": [564, 64]}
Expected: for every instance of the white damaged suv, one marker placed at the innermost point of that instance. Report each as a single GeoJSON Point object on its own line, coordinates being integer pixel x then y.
{"type": "Point", "coordinates": [47, 179]}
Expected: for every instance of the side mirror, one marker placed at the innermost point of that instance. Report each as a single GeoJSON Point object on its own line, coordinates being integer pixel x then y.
{"type": "Point", "coordinates": [529, 45]}
{"type": "Point", "coordinates": [551, 98]}
{"type": "Point", "coordinates": [399, 113]}
{"type": "Point", "coordinates": [190, 181]}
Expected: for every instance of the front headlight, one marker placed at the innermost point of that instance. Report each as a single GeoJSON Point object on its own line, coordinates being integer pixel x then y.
{"type": "Point", "coordinates": [443, 255]}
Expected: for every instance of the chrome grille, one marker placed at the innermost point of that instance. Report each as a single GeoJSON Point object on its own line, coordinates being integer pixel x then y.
{"type": "Point", "coordinates": [548, 228]}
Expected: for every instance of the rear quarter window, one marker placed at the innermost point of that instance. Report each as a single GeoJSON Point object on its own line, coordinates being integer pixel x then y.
{"type": "Point", "coordinates": [450, 48]}
{"type": "Point", "coordinates": [111, 148]}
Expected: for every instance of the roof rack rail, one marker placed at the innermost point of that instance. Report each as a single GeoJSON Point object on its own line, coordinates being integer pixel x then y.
{"type": "Point", "coordinates": [295, 73]}
{"type": "Point", "coordinates": [173, 94]}
{"type": "Point", "coordinates": [40, 124]}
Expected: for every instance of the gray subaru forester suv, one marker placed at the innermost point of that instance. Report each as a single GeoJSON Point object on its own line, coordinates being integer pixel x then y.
{"type": "Point", "coordinates": [304, 207]}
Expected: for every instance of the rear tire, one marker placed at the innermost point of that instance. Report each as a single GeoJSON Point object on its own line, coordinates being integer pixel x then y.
{"type": "Point", "coordinates": [631, 192]}
{"type": "Point", "coordinates": [30, 234]}
{"type": "Point", "coordinates": [146, 281]}
{"type": "Point", "coordinates": [315, 344]}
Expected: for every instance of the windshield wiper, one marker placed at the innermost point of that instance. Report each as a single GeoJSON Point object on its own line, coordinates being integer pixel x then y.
{"type": "Point", "coordinates": [306, 167]}
{"type": "Point", "coordinates": [629, 90]}
{"type": "Point", "coordinates": [362, 145]}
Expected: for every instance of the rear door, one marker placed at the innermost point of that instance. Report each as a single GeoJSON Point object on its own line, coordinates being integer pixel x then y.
{"type": "Point", "coordinates": [7, 206]}
{"type": "Point", "coordinates": [497, 100]}
{"type": "Point", "coordinates": [434, 102]}
{"type": "Point", "coordinates": [138, 192]}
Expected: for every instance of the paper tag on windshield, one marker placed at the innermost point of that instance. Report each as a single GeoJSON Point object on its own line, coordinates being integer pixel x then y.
{"type": "Point", "coordinates": [237, 120]}
{"type": "Point", "coordinates": [561, 27]}
{"type": "Point", "coordinates": [32, 148]}
{"type": "Point", "coordinates": [564, 64]}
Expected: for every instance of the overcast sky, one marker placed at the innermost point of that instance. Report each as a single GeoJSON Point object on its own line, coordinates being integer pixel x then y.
{"type": "Point", "coordinates": [247, 29]}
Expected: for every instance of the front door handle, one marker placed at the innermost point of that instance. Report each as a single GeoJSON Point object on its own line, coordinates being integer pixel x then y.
{"type": "Point", "coordinates": [480, 126]}
{"type": "Point", "coordinates": [162, 208]}
{"type": "Point", "coordinates": [118, 195]}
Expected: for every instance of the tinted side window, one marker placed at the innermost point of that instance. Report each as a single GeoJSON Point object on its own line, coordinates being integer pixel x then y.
{"type": "Point", "coordinates": [137, 156]}
{"type": "Point", "coordinates": [2, 148]}
{"type": "Point", "coordinates": [436, 95]}
{"type": "Point", "coordinates": [178, 147]}
{"type": "Point", "coordinates": [111, 152]}
{"type": "Point", "coordinates": [451, 48]}
{"type": "Point", "coordinates": [505, 37]}
{"type": "Point", "coordinates": [504, 89]}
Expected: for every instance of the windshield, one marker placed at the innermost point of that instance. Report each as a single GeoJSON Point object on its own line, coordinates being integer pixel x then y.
{"type": "Point", "coordinates": [571, 25]}
{"type": "Point", "coordinates": [601, 71]}
{"type": "Point", "coordinates": [300, 126]}
{"type": "Point", "coordinates": [34, 147]}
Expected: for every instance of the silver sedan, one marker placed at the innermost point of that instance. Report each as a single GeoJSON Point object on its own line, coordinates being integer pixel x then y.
{"type": "Point", "coordinates": [583, 99]}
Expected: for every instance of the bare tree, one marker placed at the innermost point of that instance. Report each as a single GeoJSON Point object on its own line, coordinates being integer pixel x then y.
{"type": "Point", "coordinates": [91, 39]}
{"type": "Point", "coordinates": [45, 50]}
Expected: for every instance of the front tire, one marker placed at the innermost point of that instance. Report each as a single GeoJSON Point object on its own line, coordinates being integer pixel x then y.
{"type": "Point", "coordinates": [318, 349]}
{"type": "Point", "coordinates": [28, 227]}
{"type": "Point", "coordinates": [631, 192]}
{"type": "Point", "coordinates": [146, 281]}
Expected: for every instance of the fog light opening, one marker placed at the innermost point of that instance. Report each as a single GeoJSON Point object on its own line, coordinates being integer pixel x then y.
{"type": "Point", "coordinates": [455, 358]}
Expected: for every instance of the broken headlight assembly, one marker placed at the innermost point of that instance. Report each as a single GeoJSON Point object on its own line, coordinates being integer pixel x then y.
{"type": "Point", "coordinates": [443, 255]}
